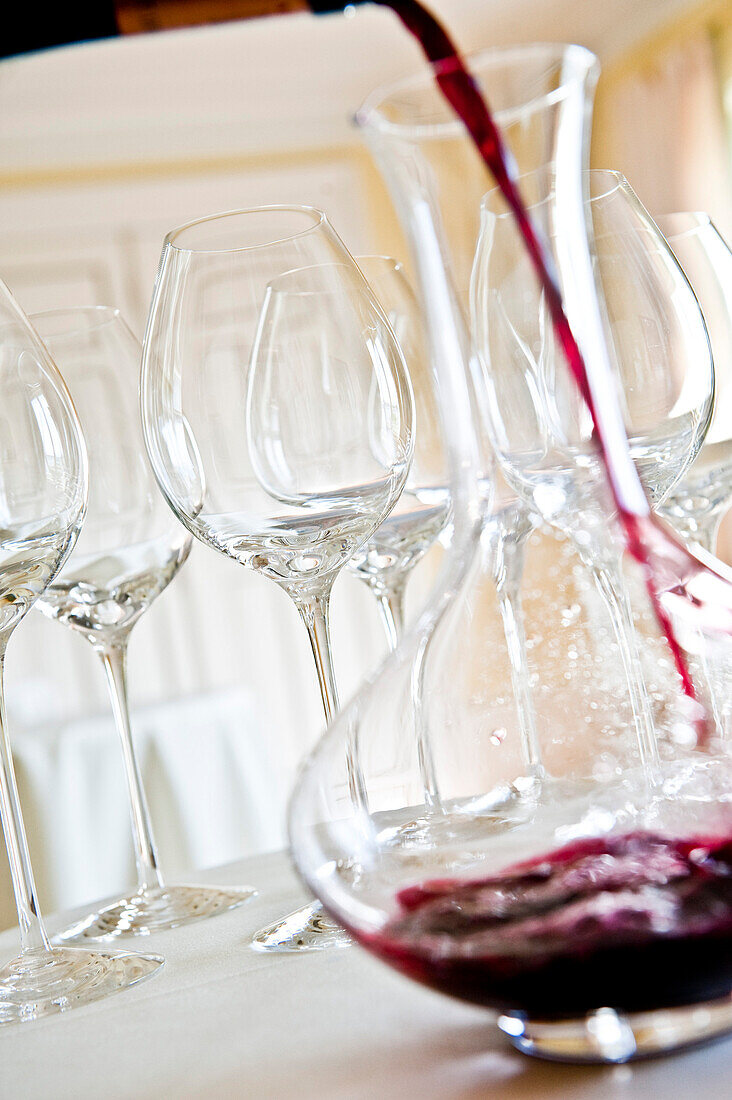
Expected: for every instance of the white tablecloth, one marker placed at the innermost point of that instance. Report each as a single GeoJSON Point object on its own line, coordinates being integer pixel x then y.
{"type": "Point", "coordinates": [214, 784]}
{"type": "Point", "coordinates": [223, 1021]}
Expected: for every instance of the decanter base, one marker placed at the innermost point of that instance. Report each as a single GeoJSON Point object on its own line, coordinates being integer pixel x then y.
{"type": "Point", "coordinates": [609, 1037]}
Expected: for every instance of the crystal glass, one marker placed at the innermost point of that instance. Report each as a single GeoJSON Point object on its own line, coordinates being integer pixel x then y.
{"type": "Point", "coordinates": [421, 516]}
{"type": "Point", "coordinates": [129, 551]}
{"type": "Point", "coordinates": [278, 419]}
{"type": "Point", "coordinates": [697, 504]}
{"type": "Point", "coordinates": [43, 491]}
{"type": "Point", "coordinates": [422, 513]}
{"type": "Point", "coordinates": [540, 426]}
{"type": "Point", "coordinates": [541, 96]}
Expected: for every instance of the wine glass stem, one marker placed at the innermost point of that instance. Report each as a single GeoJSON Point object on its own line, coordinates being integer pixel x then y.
{"type": "Point", "coordinates": [315, 613]}
{"type": "Point", "coordinates": [509, 605]}
{"type": "Point", "coordinates": [114, 659]}
{"type": "Point", "coordinates": [391, 605]}
{"type": "Point", "coordinates": [425, 755]}
{"type": "Point", "coordinates": [32, 933]}
{"type": "Point", "coordinates": [713, 670]}
{"type": "Point", "coordinates": [612, 590]}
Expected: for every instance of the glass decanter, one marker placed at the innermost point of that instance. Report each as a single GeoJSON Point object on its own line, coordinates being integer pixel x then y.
{"type": "Point", "coordinates": [541, 97]}
{"type": "Point", "coordinates": [596, 926]}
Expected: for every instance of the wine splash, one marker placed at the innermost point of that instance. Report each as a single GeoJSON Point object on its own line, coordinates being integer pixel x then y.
{"type": "Point", "coordinates": [676, 580]}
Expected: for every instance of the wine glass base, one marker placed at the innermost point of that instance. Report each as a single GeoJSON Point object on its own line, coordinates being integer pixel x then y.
{"type": "Point", "coordinates": [434, 830]}
{"type": "Point", "coordinates": [505, 807]}
{"type": "Point", "coordinates": [607, 1037]}
{"type": "Point", "coordinates": [307, 929]}
{"type": "Point", "coordinates": [155, 910]}
{"type": "Point", "coordinates": [44, 983]}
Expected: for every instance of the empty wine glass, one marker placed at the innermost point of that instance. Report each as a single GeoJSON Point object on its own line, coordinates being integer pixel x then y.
{"type": "Point", "coordinates": [420, 516]}
{"type": "Point", "coordinates": [697, 504]}
{"type": "Point", "coordinates": [422, 513]}
{"type": "Point", "coordinates": [278, 420]}
{"type": "Point", "coordinates": [43, 489]}
{"type": "Point", "coordinates": [542, 431]}
{"type": "Point", "coordinates": [128, 553]}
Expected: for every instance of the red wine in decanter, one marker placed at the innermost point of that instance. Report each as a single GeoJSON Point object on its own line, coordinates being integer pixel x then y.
{"type": "Point", "coordinates": [638, 921]}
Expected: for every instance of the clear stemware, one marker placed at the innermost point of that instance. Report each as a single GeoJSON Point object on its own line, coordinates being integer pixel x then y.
{"type": "Point", "coordinates": [541, 428]}
{"type": "Point", "coordinates": [278, 419]}
{"type": "Point", "coordinates": [129, 551]}
{"type": "Point", "coordinates": [421, 517]}
{"type": "Point", "coordinates": [43, 492]}
{"type": "Point", "coordinates": [698, 503]}
{"type": "Point", "coordinates": [422, 513]}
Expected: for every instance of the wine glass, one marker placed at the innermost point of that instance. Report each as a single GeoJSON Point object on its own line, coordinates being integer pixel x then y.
{"type": "Point", "coordinates": [422, 513]}
{"type": "Point", "coordinates": [697, 504]}
{"type": "Point", "coordinates": [129, 551]}
{"type": "Point", "coordinates": [43, 491]}
{"type": "Point", "coordinates": [277, 414]}
{"type": "Point", "coordinates": [542, 431]}
{"type": "Point", "coordinates": [420, 517]}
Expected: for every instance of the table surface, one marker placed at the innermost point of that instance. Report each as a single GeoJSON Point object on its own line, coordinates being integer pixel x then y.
{"type": "Point", "coordinates": [221, 1020]}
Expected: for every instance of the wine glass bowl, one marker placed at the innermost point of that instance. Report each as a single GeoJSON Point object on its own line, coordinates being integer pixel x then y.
{"type": "Point", "coordinates": [130, 550]}
{"type": "Point", "coordinates": [698, 501]}
{"type": "Point", "coordinates": [542, 430]}
{"type": "Point", "coordinates": [654, 330]}
{"type": "Point", "coordinates": [278, 420]}
{"type": "Point", "coordinates": [289, 453]}
{"type": "Point", "coordinates": [43, 497]}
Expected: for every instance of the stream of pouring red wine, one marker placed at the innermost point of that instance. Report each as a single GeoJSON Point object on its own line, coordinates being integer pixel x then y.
{"type": "Point", "coordinates": [657, 550]}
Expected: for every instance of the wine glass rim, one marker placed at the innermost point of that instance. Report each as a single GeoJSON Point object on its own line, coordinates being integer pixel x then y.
{"type": "Point", "coordinates": [318, 219]}
{"type": "Point", "coordinates": [617, 182]}
{"type": "Point", "coordinates": [369, 114]}
{"type": "Point", "coordinates": [95, 316]}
